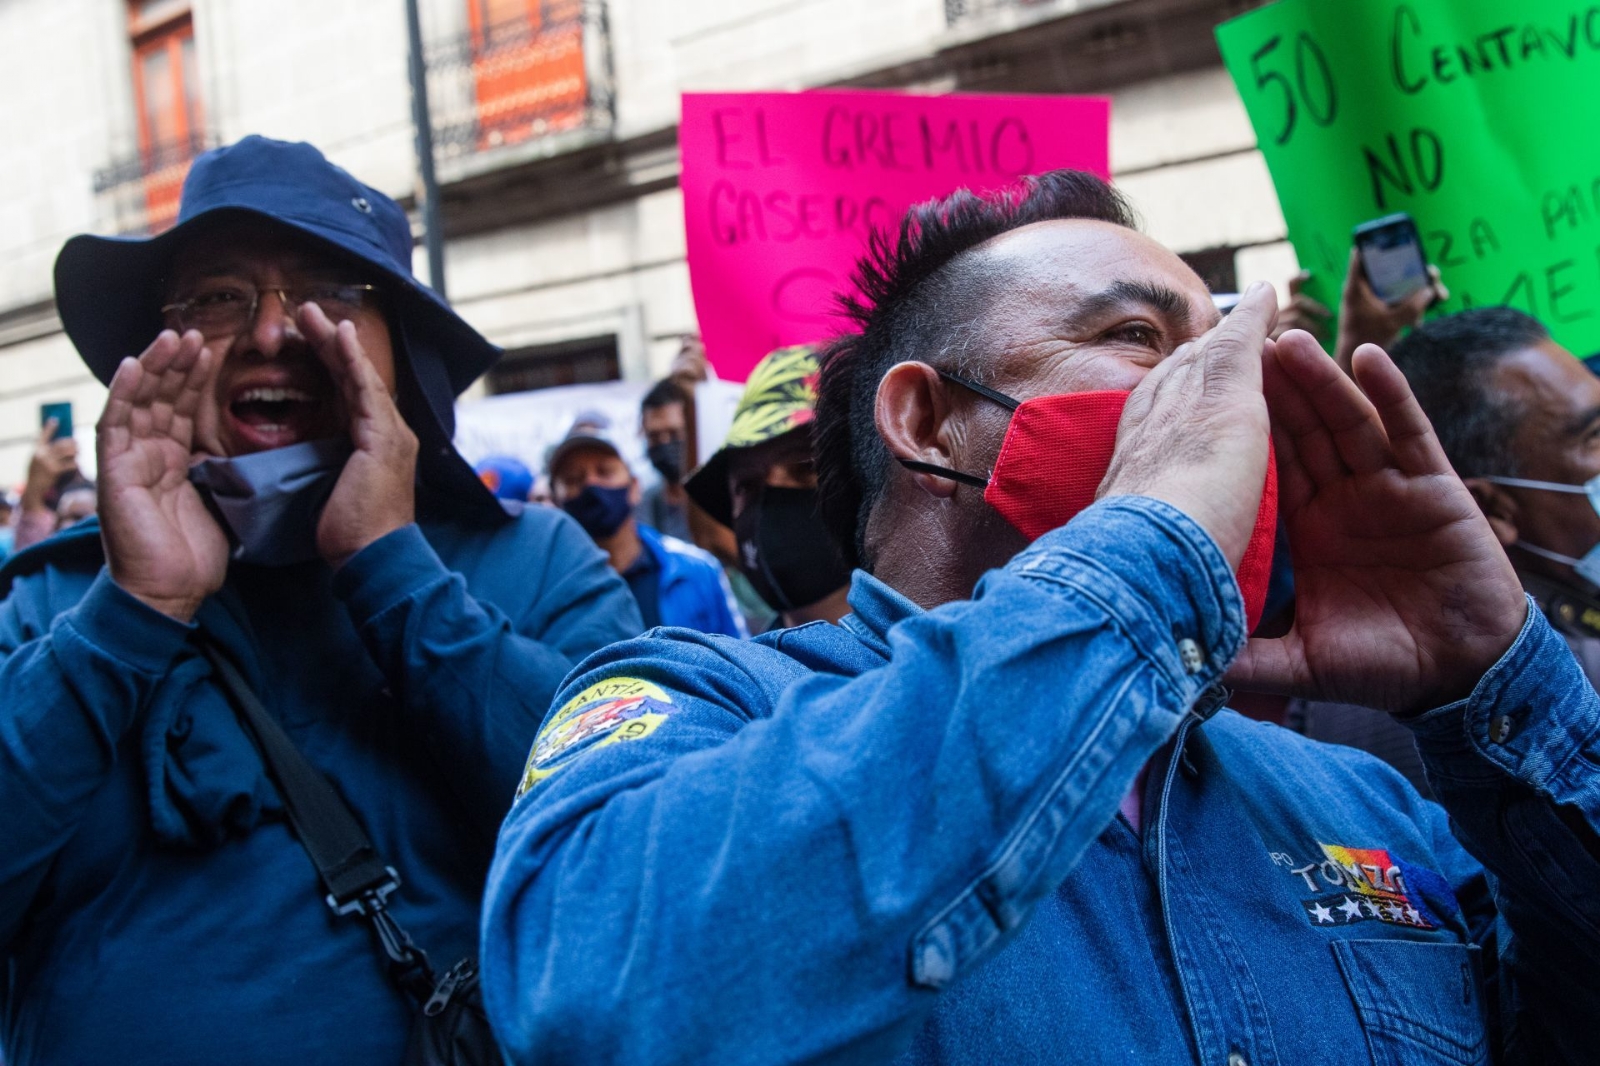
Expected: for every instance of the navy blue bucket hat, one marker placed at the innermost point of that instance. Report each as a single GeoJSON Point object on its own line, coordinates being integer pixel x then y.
{"type": "Point", "coordinates": [109, 290]}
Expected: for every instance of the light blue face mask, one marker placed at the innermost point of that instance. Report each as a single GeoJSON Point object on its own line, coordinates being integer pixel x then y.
{"type": "Point", "coordinates": [1588, 567]}
{"type": "Point", "coordinates": [269, 502]}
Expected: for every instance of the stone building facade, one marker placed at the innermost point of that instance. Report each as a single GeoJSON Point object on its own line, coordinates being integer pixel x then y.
{"type": "Point", "coordinates": [556, 142]}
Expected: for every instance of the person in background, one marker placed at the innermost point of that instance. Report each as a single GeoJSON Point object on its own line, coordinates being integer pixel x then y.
{"type": "Point", "coordinates": [506, 476]}
{"type": "Point", "coordinates": [689, 368]}
{"type": "Point", "coordinates": [53, 464]}
{"type": "Point", "coordinates": [674, 583]}
{"type": "Point", "coordinates": [762, 483]}
{"type": "Point", "coordinates": [664, 424]}
{"type": "Point", "coordinates": [78, 501]}
{"type": "Point", "coordinates": [276, 484]}
{"type": "Point", "coordinates": [1519, 417]}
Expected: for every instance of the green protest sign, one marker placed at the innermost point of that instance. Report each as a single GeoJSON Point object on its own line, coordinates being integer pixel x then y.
{"type": "Point", "coordinates": [1472, 115]}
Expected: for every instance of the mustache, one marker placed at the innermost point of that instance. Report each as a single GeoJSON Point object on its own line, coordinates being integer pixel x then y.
{"type": "Point", "coordinates": [297, 359]}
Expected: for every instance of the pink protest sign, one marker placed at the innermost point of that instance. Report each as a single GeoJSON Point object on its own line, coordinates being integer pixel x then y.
{"type": "Point", "coordinates": [780, 191]}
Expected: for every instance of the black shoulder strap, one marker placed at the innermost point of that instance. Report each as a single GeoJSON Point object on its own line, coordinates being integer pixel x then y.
{"type": "Point", "coordinates": [355, 876]}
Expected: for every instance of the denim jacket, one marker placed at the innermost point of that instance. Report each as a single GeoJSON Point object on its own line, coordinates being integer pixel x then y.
{"type": "Point", "coordinates": [898, 839]}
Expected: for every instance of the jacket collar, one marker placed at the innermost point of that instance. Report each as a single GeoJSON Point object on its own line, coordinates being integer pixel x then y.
{"type": "Point", "coordinates": [875, 608]}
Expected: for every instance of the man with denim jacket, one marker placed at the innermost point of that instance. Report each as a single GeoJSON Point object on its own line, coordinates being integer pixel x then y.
{"type": "Point", "coordinates": [995, 815]}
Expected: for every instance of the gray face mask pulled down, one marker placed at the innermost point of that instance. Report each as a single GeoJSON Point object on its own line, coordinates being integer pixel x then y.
{"type": "Point", "coordinates": [269, 502]}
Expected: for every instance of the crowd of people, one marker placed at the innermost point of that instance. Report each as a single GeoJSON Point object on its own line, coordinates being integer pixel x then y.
{"type": "Point", "coordinates": [320, 744]}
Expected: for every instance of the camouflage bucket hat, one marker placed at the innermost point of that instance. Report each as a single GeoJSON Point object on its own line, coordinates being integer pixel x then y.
{"type": "Point", "coordinates": [780, 397]}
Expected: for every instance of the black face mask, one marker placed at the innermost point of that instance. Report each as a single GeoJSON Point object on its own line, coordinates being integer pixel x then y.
{"type": "Point", "coordinates": [667, 458]}
{"type": "Point", "coordinates": [785, 550]}
{"type": "Point", "coordinates": [600, 510]}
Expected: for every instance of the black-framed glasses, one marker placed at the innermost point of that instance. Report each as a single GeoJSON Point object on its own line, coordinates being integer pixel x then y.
{"type": "Point", "coordinates": [231, 308]}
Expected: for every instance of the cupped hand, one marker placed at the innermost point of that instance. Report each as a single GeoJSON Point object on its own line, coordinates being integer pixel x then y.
{"type": "Point", "coordinates": [1403, 596]}
{"type": "Point", "coordinates": [162, 544]}
{"type": "Point", "coordinates": [376, 492]}
{"type": "Point", "coordinates": [1194, 432]}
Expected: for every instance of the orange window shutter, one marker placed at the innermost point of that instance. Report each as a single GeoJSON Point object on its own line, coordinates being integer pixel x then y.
{"type": "Point", "coordinates": [528, 68]}
{"type": "Point", "coordinates": [170, 119]}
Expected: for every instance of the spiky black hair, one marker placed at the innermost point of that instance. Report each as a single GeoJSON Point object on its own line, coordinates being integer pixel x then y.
{"type": "Point", "coordinates": [918, 297]}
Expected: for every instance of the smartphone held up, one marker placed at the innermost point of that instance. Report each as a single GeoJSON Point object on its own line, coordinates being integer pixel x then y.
{"type": "Point", "coordinates": [1391, 257]}
{"type": "Point", "coordinates": [62, 413]}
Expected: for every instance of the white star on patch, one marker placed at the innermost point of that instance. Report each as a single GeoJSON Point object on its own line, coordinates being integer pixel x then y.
{"type": "Point", "coordinates": [1372, 909]}
{"type": "Point", "coordinates": [1351, 909]}
{"type": "Point", "coordinates": [1415, 915]}
{"type": "Point", "coordinates": [1324, 915]}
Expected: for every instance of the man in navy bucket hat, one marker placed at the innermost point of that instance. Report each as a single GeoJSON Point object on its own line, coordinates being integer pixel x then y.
{"type": "Point", "coordinates": [277, 482]}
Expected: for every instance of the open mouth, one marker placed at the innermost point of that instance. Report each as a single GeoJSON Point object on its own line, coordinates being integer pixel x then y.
{"type": "Point", "coordinates": [272, 416]}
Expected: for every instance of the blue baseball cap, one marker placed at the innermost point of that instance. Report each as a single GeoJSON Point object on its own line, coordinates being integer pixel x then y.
{"type": "Point", "coordinates": [507, 477]}
{"type": "Point", "coordinates": [109, 290]}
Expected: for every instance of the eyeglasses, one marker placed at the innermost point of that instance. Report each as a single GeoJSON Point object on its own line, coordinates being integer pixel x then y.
{"type": "Point", "coordinates": [231, 309]}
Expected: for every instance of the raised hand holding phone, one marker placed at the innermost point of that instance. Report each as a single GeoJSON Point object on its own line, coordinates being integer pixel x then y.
{"type": "Point", "coordinates": [1388, 286]}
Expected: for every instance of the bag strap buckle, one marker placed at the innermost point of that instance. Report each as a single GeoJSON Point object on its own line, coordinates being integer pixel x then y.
{"type": "Point", "coordinates": [407, 963]}
{"type": "Point", "coordinates": [373, 899]}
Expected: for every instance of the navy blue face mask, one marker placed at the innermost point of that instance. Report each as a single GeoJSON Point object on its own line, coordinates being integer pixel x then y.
{"type": "Point", "coordinates": [600, 510]}
{"type": "Point", "coordinates": [269, 502]}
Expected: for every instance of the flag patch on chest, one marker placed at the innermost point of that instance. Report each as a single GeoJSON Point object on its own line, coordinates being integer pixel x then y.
{"type": "Point", "coordinates": [1351, 885]}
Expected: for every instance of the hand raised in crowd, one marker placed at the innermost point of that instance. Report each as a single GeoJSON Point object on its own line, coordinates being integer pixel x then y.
{"type": "Point", "coordinates": [376, 492]}
{"type": "Point", "coordinates": [51, 461]}
{"type": "Point", "coordinates": [1303, 312]}
{"type": "Point", "coordinates": [1404, 598]}
{"type": "Point", "coordinates": [162, 544]}
{"type": "Point", "coordinates": [1194, 433]}
{"type": "Point", "coordinates": [1365, 319]}
{"type": "Point", "coordinates": [689, 366]}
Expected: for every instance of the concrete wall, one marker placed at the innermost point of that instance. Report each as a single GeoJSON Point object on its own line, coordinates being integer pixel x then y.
{"type": "Point", "coordinates": [335, 74]}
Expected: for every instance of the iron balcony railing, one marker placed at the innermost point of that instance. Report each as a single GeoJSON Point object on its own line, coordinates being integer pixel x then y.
{"type": "Point", "coordinates": [522, 80]}
{"type": "Point", "coordinates": [142, 190]}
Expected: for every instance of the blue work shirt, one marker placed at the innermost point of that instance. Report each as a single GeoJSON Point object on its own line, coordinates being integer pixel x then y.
{"type": "Point", "coordinates": [155, 906]}
{"type": "Point", "coordinates": [691, 590]}
{"type": "Point", "coordinates": [897, 839]}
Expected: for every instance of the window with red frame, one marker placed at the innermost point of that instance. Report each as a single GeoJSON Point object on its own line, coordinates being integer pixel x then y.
{"type": "Point", "coordinates": [527, 67]}
{"type": "Point", "coordinates": [166, 92]}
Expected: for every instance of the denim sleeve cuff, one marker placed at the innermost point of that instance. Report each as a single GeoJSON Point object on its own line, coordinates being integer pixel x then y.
{"type": "Point", "coordinates": [1158, 574]}
{"type": "Point", "coordinates": [1533, 715]}
{"type": "Point", "coordinates": [391, 569]}
{"type": "Point", "coordinates": [119, 624]}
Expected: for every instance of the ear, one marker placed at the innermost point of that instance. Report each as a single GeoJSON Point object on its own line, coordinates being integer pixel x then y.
{"type": "Point", "coordinates": [635, 493]}
{"type": "Point", "coordinates": [911, 411]}
{"type": "Point", "coordinates": [1498, 506]}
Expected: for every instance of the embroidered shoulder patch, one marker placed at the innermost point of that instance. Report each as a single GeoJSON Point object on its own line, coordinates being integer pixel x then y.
{"type": "Point", "coordinates": [607, 712]}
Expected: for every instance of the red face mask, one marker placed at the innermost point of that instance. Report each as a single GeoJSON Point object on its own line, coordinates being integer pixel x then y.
{"type": "Point", "coordinates": [1054, 456]}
